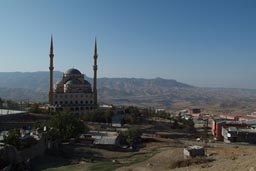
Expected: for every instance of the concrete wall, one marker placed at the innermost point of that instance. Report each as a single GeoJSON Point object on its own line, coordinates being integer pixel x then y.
{"type": "Point", "coordinates": [11, 125]}
{"type": "Point", "coordinates": [33, 151]}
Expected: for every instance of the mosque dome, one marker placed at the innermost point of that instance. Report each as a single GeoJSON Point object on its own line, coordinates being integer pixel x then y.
{"type": "Point", "coordinates": [73, 82]}
{"type": "Point", "coordinates": [73, 71]}
{"type": "Point", "coordinates": [59, 82]}
{"type": "Point", "coordinates": [86, 82]}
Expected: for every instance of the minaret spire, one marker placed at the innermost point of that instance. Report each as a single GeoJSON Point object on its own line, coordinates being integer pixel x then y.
{"type": "Point", "coordinates": [95, 67]}
{"type": "Point", "coordinates": [51, 55]}
{"type": "Point", "coordinates": [51, 47]}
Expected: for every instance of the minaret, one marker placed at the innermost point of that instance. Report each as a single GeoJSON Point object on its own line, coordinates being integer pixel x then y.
{"type": "Point", "coordinates": [51, 55]}
{"type": "Point", "coordinates": [95, 74]}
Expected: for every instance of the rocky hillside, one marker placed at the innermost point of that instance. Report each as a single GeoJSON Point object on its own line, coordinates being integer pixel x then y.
{"type": "Point", "coordinates": [159, 92]}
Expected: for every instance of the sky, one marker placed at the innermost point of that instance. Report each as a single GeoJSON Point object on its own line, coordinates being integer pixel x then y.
{"type": "Point", "coordinates": [206, 43]}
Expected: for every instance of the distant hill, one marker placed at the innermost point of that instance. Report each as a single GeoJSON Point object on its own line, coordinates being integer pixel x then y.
{"type": "Point", "coordinates": [156, 92]}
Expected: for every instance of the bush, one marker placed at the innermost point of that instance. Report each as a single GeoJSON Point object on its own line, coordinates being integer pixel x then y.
{"type": "Point", "coordinates": [131, 137]}
{"type": "Point", "coordinates": [66, 126]}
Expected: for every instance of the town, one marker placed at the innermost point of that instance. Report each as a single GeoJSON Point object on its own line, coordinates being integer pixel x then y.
{"type": "Point", "coordinates": [127, 85]}
{"type": "Point", "coordinates": [73, 128]}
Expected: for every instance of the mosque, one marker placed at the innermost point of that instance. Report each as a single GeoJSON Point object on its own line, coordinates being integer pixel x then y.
{"type": "Point", "coordinates": [73, 93]}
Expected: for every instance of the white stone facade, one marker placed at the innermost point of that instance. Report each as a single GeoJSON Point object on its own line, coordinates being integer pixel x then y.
{"type": "Point", "coordinates": [73, 93]}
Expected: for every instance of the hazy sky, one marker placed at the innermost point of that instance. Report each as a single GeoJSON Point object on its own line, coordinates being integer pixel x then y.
{"type": "Point", "coordinates": [200, 42]}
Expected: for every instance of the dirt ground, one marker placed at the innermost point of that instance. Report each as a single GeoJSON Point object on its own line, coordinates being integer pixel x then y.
{"type": "Point", "coordinates": [236, 158]}
{"type": "Point", "coordinates": [159, 154]}
{"type": "Point", "coordinates": [227, 158]}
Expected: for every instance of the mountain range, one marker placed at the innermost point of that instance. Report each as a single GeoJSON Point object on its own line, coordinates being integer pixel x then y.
{"type": "Point", "coordinates": [157, 92]}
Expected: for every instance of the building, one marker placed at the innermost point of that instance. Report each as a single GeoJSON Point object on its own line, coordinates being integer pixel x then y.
{"type": "Point", "coordinates": [194, 111]}
{"type": "Point", "coordinates": [218, 124]}
{"type": "Point", "coordinates": [101, 138]}
{"type": "Point", "coordinates": [12, 119]}
{"type": "Point", "coordinates": [19, 119]}
{"type": "Point", "coordinates": [193, 151]}
{"type": "Point", "coordinates": [247, 118]}
{"type": "Point", "coordinates": [233, 116]}
{"type": "Point", "coordinates": [236, 134]}
{"type": "Point", "coordinates": [73, 93]}
{"type": "Point", "coordinates": [118, 117]}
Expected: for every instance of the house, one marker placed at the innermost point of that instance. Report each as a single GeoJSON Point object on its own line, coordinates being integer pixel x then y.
{"type": "Point", "coordinates": [100, 138]}
{"type": "Point", "coordinates": [218, 123]}
{"type": "Point", "coordinates": [236, 134]}
{"type": "Point", "coordinates": [194, 111]}
{"type": "Point", "coordinates": [216, 127]}
{"type": "Point", "coordinates": [234, 117]}
{"type": "Point", "coordinates": [246, 118]}
{"type": "Point", "coordinates": [117, 121]}
{"type": "Point", "coordinates": [117, 118]}
{"type": "Point", "coordinates": [193, 151]}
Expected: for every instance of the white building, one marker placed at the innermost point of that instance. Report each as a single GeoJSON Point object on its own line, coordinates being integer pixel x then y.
{"type": "Point", "coordinates": [73, 93]}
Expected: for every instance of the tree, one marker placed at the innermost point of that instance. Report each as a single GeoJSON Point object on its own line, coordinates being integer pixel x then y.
{"type": "Point", "coordinates": [108, 115]}
{"type": "Point", "coordinates": [133, 115]}
{"type": "Point", "coordinates": [132, 137]}
{"type": "Point", "coordinates": [103, 116]}
{"type": "Point", "coordinates": [13, 137]}
{"type": "Point", "coordinates": [66, 126]}
{"type": "Point", "coordinates": [34, 108]}
{"type": "Point", "coordinates": [1, 102]}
